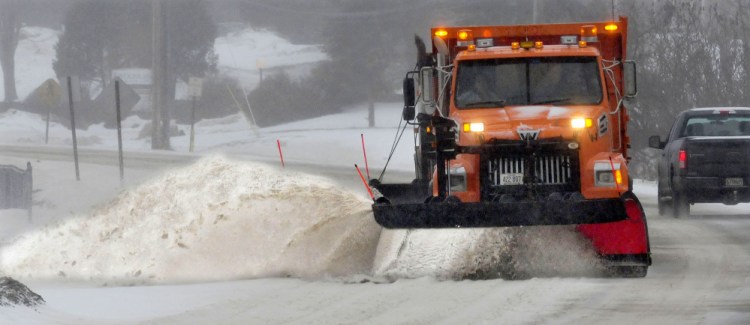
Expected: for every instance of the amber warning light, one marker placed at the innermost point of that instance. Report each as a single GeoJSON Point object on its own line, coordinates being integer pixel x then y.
{"type": "Point", "coordinates": [589, 34]}
{"type": "Point", "coordinates": [465, 38]}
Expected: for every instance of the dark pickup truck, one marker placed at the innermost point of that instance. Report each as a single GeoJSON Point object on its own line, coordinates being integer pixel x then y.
{"type": "Point", "coordinates": [706, 159]}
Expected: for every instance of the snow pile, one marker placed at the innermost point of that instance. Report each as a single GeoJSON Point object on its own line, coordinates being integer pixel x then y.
{"type": "Point", "coordinates": [216, 220]}
{"type": "Point", "coordinates": [14, 293]}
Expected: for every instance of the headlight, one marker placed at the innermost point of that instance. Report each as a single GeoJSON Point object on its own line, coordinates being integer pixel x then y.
{"type": "Point", "coordinates": [473, 127]}
{"type": "Point", "coordinates": [604, 176]}
{"type": "Point", "coordinates": [580, 123]}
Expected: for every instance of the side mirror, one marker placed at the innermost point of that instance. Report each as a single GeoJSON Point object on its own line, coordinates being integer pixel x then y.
{"type": "Point", "coordinates": [427, 82]}
{"type": "Point", "coordinates": [630, 80]}
{"type": "Point", "coordinates": [408, 113]}
{"type": "Point", "coordinates": [655, 142]}
{"type": "Point", "coordinates": [409, 97]}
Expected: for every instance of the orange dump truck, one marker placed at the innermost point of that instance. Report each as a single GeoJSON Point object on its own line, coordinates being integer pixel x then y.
{"type": "Point", "coordinates": [523, 126]}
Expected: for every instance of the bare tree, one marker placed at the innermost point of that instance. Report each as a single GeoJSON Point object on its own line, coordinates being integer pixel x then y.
{"type": "Point", "coordinates": [9, 32]}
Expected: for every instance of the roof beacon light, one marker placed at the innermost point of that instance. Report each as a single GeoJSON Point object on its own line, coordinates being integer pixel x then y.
{"type": "Point", "coordinates": [465, 38]}
{"type": "Point", "coordinates": [515, 45]}
{"type": "Point", "coordinates": [588, 33]}
{"type": "Point", "coordinates": [611, 27]}
{"type": "Point", "coordinates": [527, 45]}
{"type": "Point", "coordinates": [582, 44]}
{"type": "Point", "coordinates": [538, 45]}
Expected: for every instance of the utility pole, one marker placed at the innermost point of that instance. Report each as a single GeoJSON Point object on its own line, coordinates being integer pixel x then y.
{"type": "Point", "coordinates": [160, 121]}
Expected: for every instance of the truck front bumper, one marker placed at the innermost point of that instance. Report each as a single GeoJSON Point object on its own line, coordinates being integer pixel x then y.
{"type": "Point", "coordinates": [496, 214]}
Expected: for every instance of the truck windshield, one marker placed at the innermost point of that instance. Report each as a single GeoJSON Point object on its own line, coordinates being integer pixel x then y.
{"type": "Point", "coordinates": [528, 81]}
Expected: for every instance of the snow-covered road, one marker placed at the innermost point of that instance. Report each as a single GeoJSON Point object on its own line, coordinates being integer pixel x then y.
{"type": "Point", "coordinates": [701, 274]}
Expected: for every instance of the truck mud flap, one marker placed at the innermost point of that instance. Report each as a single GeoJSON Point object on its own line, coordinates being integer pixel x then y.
{"type": "Point", "coordinates": [478, 215]}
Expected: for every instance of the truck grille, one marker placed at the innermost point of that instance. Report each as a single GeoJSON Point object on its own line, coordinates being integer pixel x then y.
{"type": "Point", "coordinates": [548, 170]}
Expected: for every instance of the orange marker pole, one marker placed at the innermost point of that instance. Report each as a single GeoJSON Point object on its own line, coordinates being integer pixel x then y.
{"type": "Point", "coordinates": [367, 167]}
{"type": "Point", "coordinates": [281, 155]}
{"type": "Point", "coordinates": [364, 182]}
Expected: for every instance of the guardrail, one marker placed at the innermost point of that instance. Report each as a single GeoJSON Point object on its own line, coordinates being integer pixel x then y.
{"type": "Point", "coordinates": [15, 187]}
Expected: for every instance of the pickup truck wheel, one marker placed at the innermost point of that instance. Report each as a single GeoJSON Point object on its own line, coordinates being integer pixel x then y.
{"type": "Point", "coordinates": [663, 205]}
{"type": "Point", "coordinates": [680, 205]}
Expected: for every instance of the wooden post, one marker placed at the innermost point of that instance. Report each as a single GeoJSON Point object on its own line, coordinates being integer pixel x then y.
{"type": "Point", "coordinates": [73, 126]}
{"type": "Point", "coordinates": [119, 129]}
{"type": "Point", "coordinates": [192, 126]}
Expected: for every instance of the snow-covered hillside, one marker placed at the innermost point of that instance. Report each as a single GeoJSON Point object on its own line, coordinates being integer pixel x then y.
{"type": "Point", "coordinates": [240, 52]}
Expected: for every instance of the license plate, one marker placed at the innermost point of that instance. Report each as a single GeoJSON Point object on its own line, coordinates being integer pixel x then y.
{"type": "Point", "coordinates": [736, 181]}
{"type": "Point", "coordinates": [511, 179]}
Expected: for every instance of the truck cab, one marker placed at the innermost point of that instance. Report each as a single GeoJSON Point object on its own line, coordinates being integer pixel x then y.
{"type": "Point", "coordinates": [535, 119]}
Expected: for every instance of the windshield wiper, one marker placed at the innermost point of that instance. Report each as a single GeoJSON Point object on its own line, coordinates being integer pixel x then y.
{"type": "Point", "coordinates": [553, 101]}
{"type": "Point", "coordinates": [487, 103]}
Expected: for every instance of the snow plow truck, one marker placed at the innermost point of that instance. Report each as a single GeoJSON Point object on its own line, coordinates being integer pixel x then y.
{"type": "Point", "coordinates": [523, 126]}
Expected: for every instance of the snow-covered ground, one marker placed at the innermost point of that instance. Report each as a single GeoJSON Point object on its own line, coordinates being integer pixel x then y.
{"type": "Point", "coordinates": [225, 235]}
{"type": "Point", "coordinates": [241, 54]}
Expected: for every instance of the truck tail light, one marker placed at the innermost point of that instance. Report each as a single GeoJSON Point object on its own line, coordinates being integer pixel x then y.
{"type": "Point", "coordinates": [683, 159]}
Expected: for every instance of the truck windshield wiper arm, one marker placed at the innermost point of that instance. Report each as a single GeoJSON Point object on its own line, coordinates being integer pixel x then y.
{"type": "Point", "coordinates": [487, 103]}
{"type": "Point", "coordinates": [552, 101]}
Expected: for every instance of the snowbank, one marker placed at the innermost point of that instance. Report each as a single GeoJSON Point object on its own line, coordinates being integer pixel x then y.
{"type": "Point", "coordinates": [216, 220]}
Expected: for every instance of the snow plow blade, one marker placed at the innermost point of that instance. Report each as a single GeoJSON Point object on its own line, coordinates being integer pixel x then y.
{"type": "Point", "coordinates": [515, 214]}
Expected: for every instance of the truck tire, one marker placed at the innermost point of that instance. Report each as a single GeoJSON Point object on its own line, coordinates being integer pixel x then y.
{"type": "Point", "coordinates": [680, 205]}
{"type": "Point", "coordinates": [628, 271]}
{"type": "Point", "coordinates": [663, 205]}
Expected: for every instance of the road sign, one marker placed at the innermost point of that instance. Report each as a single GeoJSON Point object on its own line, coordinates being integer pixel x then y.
{"type": "Point", "coordinates": [134, 77]}
{"type": "Point", "coordinates": [49, 92]}
{"type": "Point", "coordinates": [195, 87]}
{"type": "Point", "coordinates": [128, 98]}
